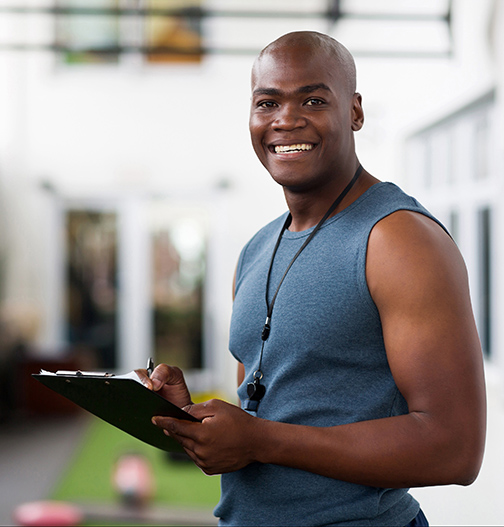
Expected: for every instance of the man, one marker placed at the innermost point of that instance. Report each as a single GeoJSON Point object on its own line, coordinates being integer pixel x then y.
{"type": "Point", "coordinates": [366, 378]}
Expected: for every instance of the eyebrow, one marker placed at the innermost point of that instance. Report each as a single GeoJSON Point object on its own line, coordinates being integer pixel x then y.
{"type": "Point", "coordinates": [313, 87]}
{"type": "Point", "coordinates": [310, 88]}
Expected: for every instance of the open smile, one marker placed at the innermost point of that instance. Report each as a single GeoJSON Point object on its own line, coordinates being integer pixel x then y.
{"type": "Point", "coordinates": [292, 149]}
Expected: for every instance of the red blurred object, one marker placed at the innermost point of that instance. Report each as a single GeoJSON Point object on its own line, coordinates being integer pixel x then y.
{"type": "Point", "coordinates": [36, 399]}
{"type": "Point", "coordinates": [133, 480]}
{"type": "Point", "coordinates": [53, 513]}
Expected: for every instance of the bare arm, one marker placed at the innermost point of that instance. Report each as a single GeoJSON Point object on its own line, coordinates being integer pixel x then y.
{"type": "Point", "coordinates": [417, 279]}
{"type": "Point", "coordinates": [241, 373]}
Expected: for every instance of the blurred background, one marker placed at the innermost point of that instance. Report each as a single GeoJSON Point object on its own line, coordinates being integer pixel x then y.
{"type": "Point", "coordinates": [128, 186]}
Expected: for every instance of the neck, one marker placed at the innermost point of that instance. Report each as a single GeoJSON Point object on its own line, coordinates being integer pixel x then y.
{"type": "Point", "coordinates": [306, 211]}
{"type": "Point", "coordinates": [307, 208]}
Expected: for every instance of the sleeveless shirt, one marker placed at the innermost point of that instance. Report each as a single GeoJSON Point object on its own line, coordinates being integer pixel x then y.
{"type": "Point", "coordinates": [324, 364]}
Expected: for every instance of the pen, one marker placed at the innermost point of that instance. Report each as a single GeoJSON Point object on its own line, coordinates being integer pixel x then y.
{"type": "Point", "coordinates": [150, 366]}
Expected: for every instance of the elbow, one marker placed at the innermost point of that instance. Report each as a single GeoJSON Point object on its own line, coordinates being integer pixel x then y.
{"type": "Point", "coordinates": [468, 480]}
{"type": "Point", "coordinates": [467, 476]}
{"type": "Point", "coordinates": [456, 453]}
{"type": "Point", "coordinates": [465, 459]}
{"type": "Point", "coordinates": [467, 472]}
{"type": "Point", "coordinates": [460, 443]}
{"type": "Point", "coordinates": [472, 449]}
{"type": "Point", "coordinates": [469, 468]}
{"type": "Point", "coordinates": [454, 467]}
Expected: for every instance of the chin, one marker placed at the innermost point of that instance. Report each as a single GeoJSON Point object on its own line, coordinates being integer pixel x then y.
{"type": "Point", "coordinates": [294, 187]}
{"type": "Point", "coordinates": [297, 183]}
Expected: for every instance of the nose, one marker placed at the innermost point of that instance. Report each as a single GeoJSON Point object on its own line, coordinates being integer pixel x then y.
{"type": "Point", "coordinates": [289, 117]}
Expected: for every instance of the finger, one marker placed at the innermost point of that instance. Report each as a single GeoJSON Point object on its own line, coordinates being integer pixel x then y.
{"type": "Point", "coordinates": [176, 427]}
{"type": "Point", "coordinates": [187, 443]}
{"type": "Point", "coordinates": [144, 377]}
{"type": "Point", "coordinates": [199, 411]}
{"type": "Point", "coordinates": [202, 410]}
{"type": "Point", "coordinates": [172, 429]}
{"type": "Point", "coordinates": [193, 456]}
{"type": "Point", "coordinates": [164, 374]}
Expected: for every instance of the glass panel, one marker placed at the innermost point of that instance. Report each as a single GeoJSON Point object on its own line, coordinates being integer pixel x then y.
{"type": "Point", "coordinates": [91, 284]}
{"type": "Point", "coordinates": [183, 33]}
{"type": "Point", "coordinates": [450, 156]}
{"type": "Point", "coordinates": [485, 278]}
{"type": "Point", "coordinates": [92, 38]}
{"type": "Point", "coordinates": [429, 162]}
{"type": "Point", "coordinates": [179, 246]}
{"type": "Point", "coordinates": [481, 148]}
{"type": "Point", "coordinates": [453, 226]}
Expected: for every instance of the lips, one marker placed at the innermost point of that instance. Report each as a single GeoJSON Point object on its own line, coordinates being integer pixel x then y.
{"type": "Point", "coordinates": [292, 148]}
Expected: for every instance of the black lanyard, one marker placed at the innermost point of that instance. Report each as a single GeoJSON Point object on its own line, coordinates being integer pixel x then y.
{"type": "Point", "coordinates": [255, 390]}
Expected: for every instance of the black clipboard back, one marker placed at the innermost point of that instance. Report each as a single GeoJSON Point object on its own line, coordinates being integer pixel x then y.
{"type": "Point", "coordinates": [122, 401]}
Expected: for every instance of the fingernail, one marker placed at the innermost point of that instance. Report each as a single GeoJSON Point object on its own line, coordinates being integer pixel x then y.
{"type": "Point", "coordinates": [156, 384]}
{"type": "Point", "coordinates": [154, 422]}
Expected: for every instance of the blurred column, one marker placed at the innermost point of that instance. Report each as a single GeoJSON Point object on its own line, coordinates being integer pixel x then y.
{"type": "Point", "coordinates": [53, 331]}
{"type": "Point", "coordinates": [134, 300]}
{"type": "Point", "coordinates": [221, 261]}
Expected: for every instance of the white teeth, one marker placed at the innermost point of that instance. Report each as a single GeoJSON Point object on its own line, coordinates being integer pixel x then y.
{"type": "Point", "coordinates": [282, 149]}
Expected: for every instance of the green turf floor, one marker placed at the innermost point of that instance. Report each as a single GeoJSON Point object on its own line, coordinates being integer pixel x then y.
{"type": "Point", "coordinates": [89, 475]}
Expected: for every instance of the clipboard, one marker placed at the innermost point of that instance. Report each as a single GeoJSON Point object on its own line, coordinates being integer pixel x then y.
{"type": "Point", "coordinates": [122, 401]}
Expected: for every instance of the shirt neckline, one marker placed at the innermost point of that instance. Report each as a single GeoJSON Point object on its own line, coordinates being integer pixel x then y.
{"type": "Point", "coordinates": [289, 235]}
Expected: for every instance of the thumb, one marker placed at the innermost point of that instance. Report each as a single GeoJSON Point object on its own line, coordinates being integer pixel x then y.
{"type": "Point", "coordinates": [144, 378]}
{"type": "Point", "coordinates": [203, 410]}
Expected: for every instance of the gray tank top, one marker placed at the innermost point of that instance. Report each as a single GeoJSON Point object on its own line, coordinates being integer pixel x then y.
{"type": "Point", "coordinates": [324, 364]}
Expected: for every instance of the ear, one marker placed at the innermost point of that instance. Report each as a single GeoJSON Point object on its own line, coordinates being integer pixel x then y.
{"type": "Point", "coordinates": [357, 112]}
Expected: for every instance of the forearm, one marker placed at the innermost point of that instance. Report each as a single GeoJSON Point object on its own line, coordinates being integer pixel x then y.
{"type": "Point", "coordinates": [403, 451]}
{"type": "Point", "coordinates": [417, 449]}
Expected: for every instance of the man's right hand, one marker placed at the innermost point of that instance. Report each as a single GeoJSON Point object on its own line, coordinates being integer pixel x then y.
{"type": "Point", "coordinates": [169, 382]}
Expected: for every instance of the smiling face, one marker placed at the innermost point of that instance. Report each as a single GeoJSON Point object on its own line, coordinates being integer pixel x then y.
{"type": "Point", "coordinates": [303, 115]}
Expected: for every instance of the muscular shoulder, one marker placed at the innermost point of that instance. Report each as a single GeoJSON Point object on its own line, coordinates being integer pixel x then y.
{"type": "Point", "coordinates": [408, 251]}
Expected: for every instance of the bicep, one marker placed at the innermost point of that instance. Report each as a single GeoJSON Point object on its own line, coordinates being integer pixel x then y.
{"type": "Point", "coordinates": [418, 281]}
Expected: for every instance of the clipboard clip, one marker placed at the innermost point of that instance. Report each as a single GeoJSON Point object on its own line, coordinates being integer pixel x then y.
{"type": "Point", "coordinates": [80, 373]}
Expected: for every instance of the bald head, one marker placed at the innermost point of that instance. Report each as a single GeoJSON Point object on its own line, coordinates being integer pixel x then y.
{"type": "Point", "coordinates": [315, 43]}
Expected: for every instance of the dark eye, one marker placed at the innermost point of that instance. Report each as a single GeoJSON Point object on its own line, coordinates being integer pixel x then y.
{"type": "Point", "coordinates": [314, 102]}
{"type": "Point", "coordinates": [266, 104]}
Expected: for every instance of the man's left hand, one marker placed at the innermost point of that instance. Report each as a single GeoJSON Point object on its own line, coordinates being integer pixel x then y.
{"type": "Point", "coordinates": [222, 442]}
